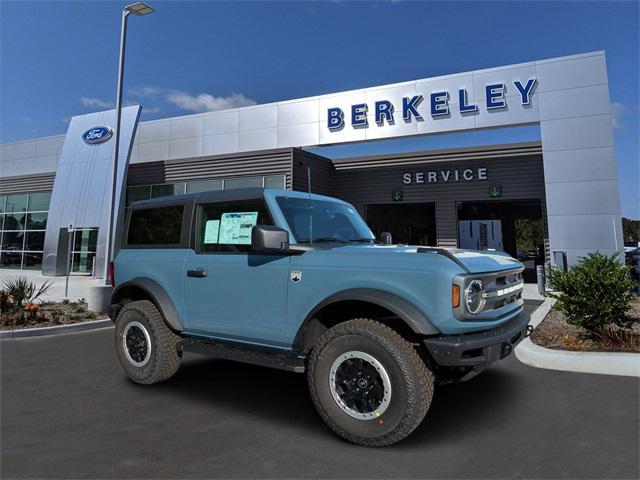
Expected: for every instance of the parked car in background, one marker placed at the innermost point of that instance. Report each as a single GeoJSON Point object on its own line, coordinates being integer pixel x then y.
{"type": "Point", "coordinates": [632, 258]}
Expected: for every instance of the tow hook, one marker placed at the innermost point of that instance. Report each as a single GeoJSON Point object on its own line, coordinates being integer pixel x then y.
{"type": "Point", "coordinates": [529, 330]}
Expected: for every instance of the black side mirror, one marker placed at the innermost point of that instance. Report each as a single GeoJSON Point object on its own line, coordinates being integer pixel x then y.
{"type": "Point", "coordinates": [385, 237]}
{"type": "Point", "coordinates": [269, 239]}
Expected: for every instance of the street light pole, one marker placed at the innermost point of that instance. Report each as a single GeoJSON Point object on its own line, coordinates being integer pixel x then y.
{"type": "Point", "coordinates": [137, 9]}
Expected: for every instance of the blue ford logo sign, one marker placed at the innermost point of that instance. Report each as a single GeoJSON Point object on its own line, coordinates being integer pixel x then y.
{"type": "Point", "coordinates": [97, 135]}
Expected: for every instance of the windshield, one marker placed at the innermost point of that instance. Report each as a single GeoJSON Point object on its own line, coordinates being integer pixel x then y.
{"type": "Point", "coordinates": [321, 220]}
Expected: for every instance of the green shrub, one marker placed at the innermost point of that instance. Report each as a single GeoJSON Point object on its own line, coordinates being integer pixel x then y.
{"type": "Point", "coordinates": [595, 293]}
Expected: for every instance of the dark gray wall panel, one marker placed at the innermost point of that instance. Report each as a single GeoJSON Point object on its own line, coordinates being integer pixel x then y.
{"type": "Point", "coordinates": [269, 162]}
{"type": "Point", "coordinates": [42, 182]}
{"type": "Point", "coordinates": [145, 173]}
{"type": "Point", "coordinates": [322, 172]}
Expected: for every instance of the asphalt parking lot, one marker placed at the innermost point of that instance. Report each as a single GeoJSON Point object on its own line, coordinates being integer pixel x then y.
{"type": "Point", "coordinates": [69, 412]}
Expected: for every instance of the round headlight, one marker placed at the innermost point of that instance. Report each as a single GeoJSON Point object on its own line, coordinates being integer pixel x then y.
{"type": "Point", "coordinates": [473, 297]}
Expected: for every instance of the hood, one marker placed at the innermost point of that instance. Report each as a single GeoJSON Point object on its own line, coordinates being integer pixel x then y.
{"type": "Point", "coordinates": [475, 261]}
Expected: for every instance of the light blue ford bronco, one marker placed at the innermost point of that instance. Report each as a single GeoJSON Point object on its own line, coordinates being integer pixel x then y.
{"type": "Point", "coordinates": [298, 281]}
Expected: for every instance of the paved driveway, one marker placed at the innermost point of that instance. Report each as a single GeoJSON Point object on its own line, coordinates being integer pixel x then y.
{"type": "Point", "coordinates": [68, 411]}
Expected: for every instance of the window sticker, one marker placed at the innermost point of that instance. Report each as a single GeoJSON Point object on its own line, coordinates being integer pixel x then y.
{"type": "Point", "coordinates": [235, 228]}
{"type": "Point", "coordinates": [211, 231]}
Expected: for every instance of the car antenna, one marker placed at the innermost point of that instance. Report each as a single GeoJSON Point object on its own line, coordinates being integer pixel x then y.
{"type": "Point", "coordinates": [310, 207]}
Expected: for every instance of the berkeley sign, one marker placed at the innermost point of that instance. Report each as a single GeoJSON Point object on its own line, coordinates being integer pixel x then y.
{"type": "Point", "coordinates": [384, 110]}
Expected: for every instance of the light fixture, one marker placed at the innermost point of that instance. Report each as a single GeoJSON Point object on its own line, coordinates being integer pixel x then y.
{"type": "Point", "coordinates": [139, 8]}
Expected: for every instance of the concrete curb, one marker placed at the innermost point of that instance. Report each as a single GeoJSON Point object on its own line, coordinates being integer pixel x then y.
{"type": "Point", "coordinates": [56, 330]}
{"type": "Point", "coordinates": [608, 363]}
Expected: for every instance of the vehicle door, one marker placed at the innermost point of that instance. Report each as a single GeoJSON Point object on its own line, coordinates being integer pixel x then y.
{"type": "Point", "coordinates": [230, 291]}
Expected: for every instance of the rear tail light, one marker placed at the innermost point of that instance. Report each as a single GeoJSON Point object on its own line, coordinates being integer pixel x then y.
{"type": "Point", "coordinates": [455, 296]}
{"type": "Point", "coordinates": [112, 274]}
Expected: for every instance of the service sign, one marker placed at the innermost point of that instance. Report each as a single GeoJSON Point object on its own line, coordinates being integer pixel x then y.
{"type": "Point", "coordinates": [440, 104]}
{"type": "Point", "coordinates": [97, 135]}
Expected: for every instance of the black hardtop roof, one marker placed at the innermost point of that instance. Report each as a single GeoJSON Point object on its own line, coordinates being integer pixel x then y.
{"type": "Point", "coordinates": [213, 195]}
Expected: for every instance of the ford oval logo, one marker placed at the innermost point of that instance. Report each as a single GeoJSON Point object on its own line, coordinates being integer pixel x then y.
{"type": "Point", "coordinates": [97, 135]}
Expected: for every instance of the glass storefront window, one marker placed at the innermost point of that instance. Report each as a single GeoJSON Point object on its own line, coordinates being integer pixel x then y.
{"type": "Point", "coordinates": [39, 202]}
{"type": "Point", "coordinates": [167, 190]}
{"type": "Point", "coordinates": [242, 182]}
{"type": "Point", "coordinates": [14, 221]}
{"type": "Point", "coordinates": [32, 261]}
{"type": "Point", "coordinates": [135, 194]}
{"type": "Point", "coordinates": [34, 241]}
{"type": "Point", "coordinates": [193, 187]}
{"type": "Point", "coordinates": [11, 259]}
{"type": "Point", "coordinates": [23, 221]}
{"type": "Point", "coordinates": [12, 240]}
{"type": "Point", "coordinates": [274, 181]}
{"type": "Point", "coordinates": [37, 221]}
{"type": "Point", "coordinates": [16, 203]}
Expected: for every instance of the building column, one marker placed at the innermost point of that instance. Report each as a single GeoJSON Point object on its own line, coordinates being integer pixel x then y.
{"type": "Point", "coordinates": [581, 184]}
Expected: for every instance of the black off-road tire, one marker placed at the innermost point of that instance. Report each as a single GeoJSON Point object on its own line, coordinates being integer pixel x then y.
{"type": "Point", "coordinates": [163, 360]}
{"type": "Point", "coordinates": [411, 381]}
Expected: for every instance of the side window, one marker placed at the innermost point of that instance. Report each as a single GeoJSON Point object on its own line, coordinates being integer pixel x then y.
{"type": "Point", "coordinates": [156, 226]}
{"type": "Point", "coordinates": [225, 227]}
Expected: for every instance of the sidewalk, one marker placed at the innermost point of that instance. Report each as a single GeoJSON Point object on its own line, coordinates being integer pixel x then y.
{"type": "Point", "coordinates": [79, 285]}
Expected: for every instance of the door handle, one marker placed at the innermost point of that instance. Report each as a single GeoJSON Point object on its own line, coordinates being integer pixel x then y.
{"type": "Point", "coordinates": [197, 273]}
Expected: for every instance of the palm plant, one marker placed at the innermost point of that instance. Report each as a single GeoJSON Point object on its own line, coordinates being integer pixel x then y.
{"type": "Point", "coordinates": [21, 291]}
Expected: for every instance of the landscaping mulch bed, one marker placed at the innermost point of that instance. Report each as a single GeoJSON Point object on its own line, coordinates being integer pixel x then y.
{"type": "Point", "coordinates": [554, 332]}
{"type": "Point", "coordinates": [50, 314]}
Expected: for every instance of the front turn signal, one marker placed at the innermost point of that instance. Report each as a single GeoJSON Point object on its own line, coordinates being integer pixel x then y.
{"type": "Point", "coordinates": [455, 296]}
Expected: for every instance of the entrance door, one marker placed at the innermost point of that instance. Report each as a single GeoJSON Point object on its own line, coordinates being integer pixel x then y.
{"type": "Point", "coordinates": [83, 254]}
{"type": "Point", "coordinates": [408, 223]}
{"type": "Point", "coordinates": [229, 291]}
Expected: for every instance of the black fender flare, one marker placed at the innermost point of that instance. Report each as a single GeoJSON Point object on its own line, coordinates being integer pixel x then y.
{"type": "Point", "coordinates": [407, 312]}
{"type": "Point", "coordinates": [158, 296]}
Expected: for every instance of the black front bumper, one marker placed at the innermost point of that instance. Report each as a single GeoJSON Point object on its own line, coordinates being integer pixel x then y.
{"type": "Point", "coordinates": [478, 349]}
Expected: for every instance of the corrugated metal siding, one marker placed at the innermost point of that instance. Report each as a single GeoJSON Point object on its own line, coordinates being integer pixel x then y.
{"type": "Point", "coordinates": [413, 158]}
{"type": "Point", "coordinates": [521, 178]}
{"type": "Point", "coordinates": [145, 173]}
{"type": "Point", "coordinates": [271, 162]}
{"type": "Point", "coordinates": [27, 184]}
{"type": "Point", "coordinates": [322, 172]}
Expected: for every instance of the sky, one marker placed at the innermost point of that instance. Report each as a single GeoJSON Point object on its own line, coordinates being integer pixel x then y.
{"type": "Point", "coordinates": [59, 59]}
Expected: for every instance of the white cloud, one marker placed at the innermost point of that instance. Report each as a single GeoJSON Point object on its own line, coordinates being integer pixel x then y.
{"type": "Point", "coordinates": [150, 95]}
{"type": "Point", "coordinates": [617, 110]}
{"type": "Point", "coordinates": [205, 102]}
{"type": "Point", "coordinates": [146, 91]}
{"type": "Point", "coordinates": [95, 102]}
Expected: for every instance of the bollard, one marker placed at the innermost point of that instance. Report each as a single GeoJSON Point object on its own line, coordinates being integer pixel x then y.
{"type": "Point", "coordinates": [99, 298]}
{"type": "Point", "coordinates": [547, 276]}
{"type": "Point", "coordinates": [541, 279]}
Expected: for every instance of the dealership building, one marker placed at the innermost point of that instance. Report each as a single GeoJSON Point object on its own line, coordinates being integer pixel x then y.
{"type": "Point", "coordinates": [550, 200]}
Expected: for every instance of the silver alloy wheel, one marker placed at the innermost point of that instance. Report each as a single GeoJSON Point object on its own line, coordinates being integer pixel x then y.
{"type": "Point", "coordinates": [136, 343]}
{"type": "Point", "coordinates": [360, 385]}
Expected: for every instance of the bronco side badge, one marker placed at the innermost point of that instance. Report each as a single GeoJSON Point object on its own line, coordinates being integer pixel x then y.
{"type": "Point", "coordinates": [296, 277]}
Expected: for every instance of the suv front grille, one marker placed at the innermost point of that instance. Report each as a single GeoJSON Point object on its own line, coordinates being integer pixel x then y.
{"type": "Point", "coordinates": [502, 290]}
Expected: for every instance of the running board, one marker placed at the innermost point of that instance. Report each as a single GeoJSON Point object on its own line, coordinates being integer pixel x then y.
{"type": "Point", "coordinates": [244, 354]}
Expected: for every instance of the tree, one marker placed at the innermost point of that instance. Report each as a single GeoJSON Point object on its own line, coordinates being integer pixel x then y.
{"type": "Point", "coordinates": [631, 230]}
